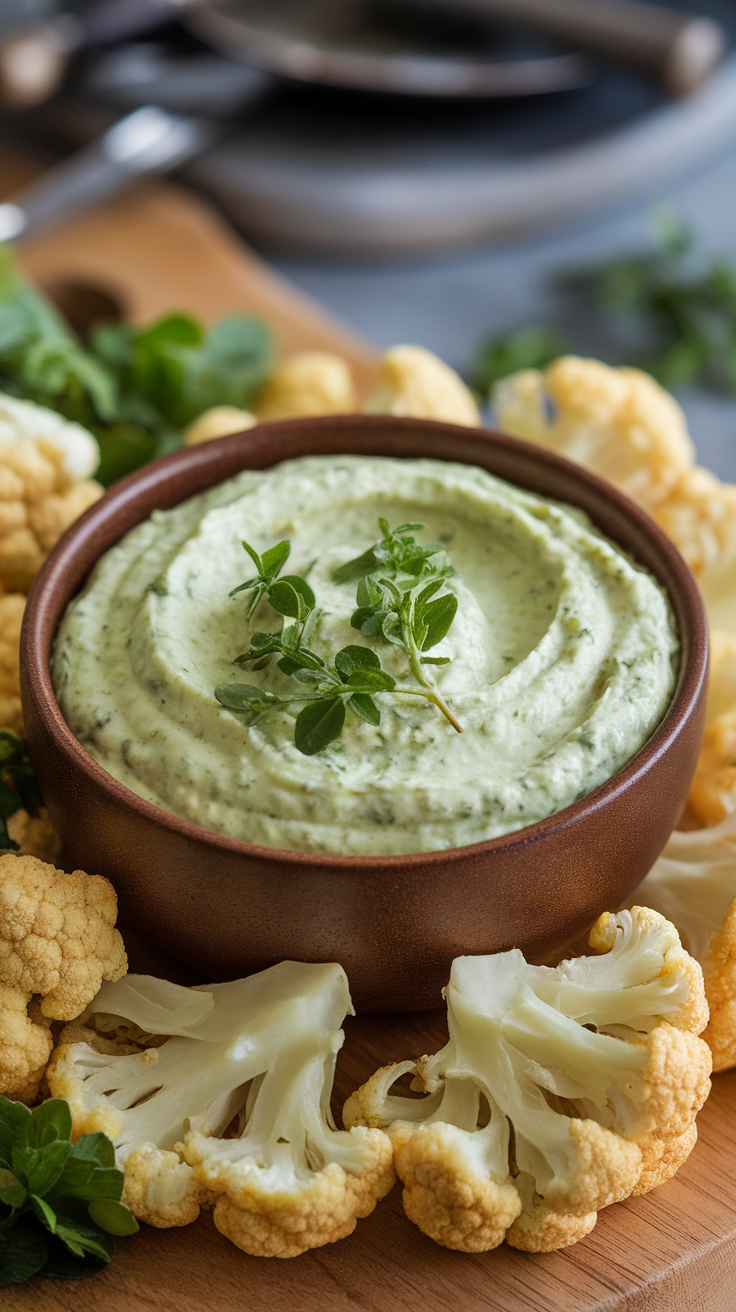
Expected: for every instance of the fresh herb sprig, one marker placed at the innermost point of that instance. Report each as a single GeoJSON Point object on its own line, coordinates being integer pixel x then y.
{"type": "Point", "coordinates": [59, 1201]}
{"type": "Point", "coordinates": [135, 389]}
{"type": "Point", "coordinates": [18, 787]}
{"type": "Point", "coordinates": [404, 615]}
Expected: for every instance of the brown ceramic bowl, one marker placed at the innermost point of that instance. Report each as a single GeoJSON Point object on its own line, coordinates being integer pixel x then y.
{"type": "Point", "coordinates": [395, 923]}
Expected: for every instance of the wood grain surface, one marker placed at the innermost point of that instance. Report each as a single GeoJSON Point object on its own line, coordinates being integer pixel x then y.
{"type": "Point", "coordinates": [672, 1251]}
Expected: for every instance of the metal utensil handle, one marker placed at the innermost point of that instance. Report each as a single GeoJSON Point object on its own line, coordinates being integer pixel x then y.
{"type": "Point", "coordinates": [681, 49]}
{"type": "Point", "coordinates": [146, 141]}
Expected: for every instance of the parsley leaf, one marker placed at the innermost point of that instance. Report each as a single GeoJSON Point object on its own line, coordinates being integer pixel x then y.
{"type": "Point", "coordinates": [59, 1201]}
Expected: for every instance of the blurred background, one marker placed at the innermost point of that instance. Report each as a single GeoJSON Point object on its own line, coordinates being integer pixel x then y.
{"type": "Point", "coordinates": [495, 181]}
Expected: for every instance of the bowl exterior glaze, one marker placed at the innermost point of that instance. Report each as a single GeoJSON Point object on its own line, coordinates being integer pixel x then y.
{"type": "Point", "coordinates": [227, 908]}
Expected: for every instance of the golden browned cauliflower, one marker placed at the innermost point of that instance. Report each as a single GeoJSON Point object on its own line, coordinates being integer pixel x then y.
{"type": "Point", "coordinates": [219, 1096]}
{"type": "Point", "coordinates": [619, 423]}
{"type": "Point", "coordinates": [560, 1090]}
{"type": "Point", "coordinates": [693, 884]}
{"type": "Point", "coordinates": [38, 502]}
{"type": "Point", "coordinates": [12, 605]}
{"type": "Point", "coordinates": [415, 383]}
{"type": "Point", "coordinates": [713, 790]}
{"type": "Point", "coordinates": [218, 421]}
{"type": "Point", "coordinates": [308, 383]}
{"type": "Point", "coordinates": [35, 835]}
{"type": "Point", "coordinates": [57, 944]}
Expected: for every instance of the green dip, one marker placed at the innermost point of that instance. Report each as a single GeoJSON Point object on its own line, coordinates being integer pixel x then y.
{"type": "Point", "coordinates": [563, 661]}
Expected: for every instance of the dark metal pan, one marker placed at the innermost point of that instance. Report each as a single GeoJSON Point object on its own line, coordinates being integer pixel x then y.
{"type": "Point", "coordinates": [371, 46]}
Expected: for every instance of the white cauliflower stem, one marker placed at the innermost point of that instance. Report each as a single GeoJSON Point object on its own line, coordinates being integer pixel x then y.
{"type": "Point", "coordinates": [222, 1095]}
{"type": "Point", "coordinates": [694, 884]}
{"type": "Point", "coordinates": [559, 1092]}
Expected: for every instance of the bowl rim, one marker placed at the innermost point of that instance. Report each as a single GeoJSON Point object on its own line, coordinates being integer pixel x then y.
{"type": "Point", "coordinates": [35, 661]}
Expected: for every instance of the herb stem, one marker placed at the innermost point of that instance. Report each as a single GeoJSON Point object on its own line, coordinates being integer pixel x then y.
{"type": "Point", "coordinates": [426, 680]}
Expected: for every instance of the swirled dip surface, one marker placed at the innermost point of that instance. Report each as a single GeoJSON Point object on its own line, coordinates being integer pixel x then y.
{"type": "Point", "coordinates": [563, 661]}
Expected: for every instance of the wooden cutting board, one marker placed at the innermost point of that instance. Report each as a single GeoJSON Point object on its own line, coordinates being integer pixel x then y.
{"type": "Point", "coordinates": [673, 1251]}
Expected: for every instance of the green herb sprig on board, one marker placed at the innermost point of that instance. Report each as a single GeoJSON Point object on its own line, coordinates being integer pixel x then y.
{"type": "Point", "coordinates": [135, 389]}
{"type": "Point", "coordinates": [59, 1201]}
{"type": "Point", "coordinates": [405, 614]}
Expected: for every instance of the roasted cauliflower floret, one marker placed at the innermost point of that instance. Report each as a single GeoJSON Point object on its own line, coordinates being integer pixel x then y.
{"type": "Point", "coordinates": [167, 1071]}
{"type": "Point", "coordinates": [35, 835]}
{"type": "Point", "coordinates": [693, 884]}
{"type": "Point", "coordinates": [57, 935]}
{"type": "Point", "coordinates": [25, 1044]}
{"type": "Point", "coordinates": [619, 423]}
{"type": "Point", "coordinates": [39, 499]}
{"type": "Point", "coordinates": [57, 943]}
{"type": "Point", "coordinates": [415, 383]}
{"type": "Point", "coordinates": [699, 515]}
{"type": "Point", "coordinates": [12, 605]}
{"type": "Point", "coordinates": [24, 421]}
{"type": "Point", "coordinates": [308, 383]}
{"type": "Point", "coordinates": [218, 422]}
{"type": "Point", "coordinates": [559, 1092]}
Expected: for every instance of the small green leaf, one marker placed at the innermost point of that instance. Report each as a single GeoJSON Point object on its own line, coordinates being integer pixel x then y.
{"type": "Point", "coordinates": [81, 1238]}
{"type": "Point", "coordinates": [356, 569]}
{"type": "Point", "coordinates": [14, 1117]}
{"type": "Point", "coordinates": [253, 555]}
{"type": "Point", "coordinates": [356, 658]}
{"type": "Point", "coordinates": [274, 559]}
{"type": "Point", "coordinates": [51, 1121]}
{"type": "Point", "coordinates": [365, 707]}
{"type": "Point", "coordinates": [23, 1253]}
{"type": "Point", "coordinates": [369, 593]}
{"type": "Point", "coordinates": [112, 1217]}
{"type": "Point", "coordinates": [438, 617]}
{"type": "Point", "coordinates": [301, 587]}
{"type": "Point", "coordinates": [319, 724]}
{"type": "Point", "coordinates": [285, 599]}
{"type": "Point", "coordinates": [371, 681]}
{"type": "Point", "coordinates": [43, 1173]}
{"type": "Point", "coordinates": [13, 1195]}
{"type": "Point", "coordinates": [44, 1212]}
{"type": "Point", "coordinates": [245, 700]}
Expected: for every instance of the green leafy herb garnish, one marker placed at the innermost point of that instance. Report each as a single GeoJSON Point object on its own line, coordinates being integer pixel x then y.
{"type": "Point", "coordinates": [18, 787]}
{"type": "Point", "coordinates": [136, 389]}
{"type": "Point", "coordinates": [59, 1201]}
{"type": "Point", "coordinates": [403, 612]}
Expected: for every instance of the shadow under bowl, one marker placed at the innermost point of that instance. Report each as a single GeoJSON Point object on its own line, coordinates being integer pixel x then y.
{"type": "Point", "coordinates": [227, 908]}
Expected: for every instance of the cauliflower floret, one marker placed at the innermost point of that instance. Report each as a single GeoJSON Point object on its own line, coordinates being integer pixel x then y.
{"type": "Point", "coordinates": [693, 884]}
{"type": "Point", "coordinates": [559, 1092]}
{"type": "Point", "coordinates": [699, 515]}
{"type": "Point", "coordinates": [57, 935]}
{"type": "Point", "coordinates": [12, 605]}
{"type": "Point", "coordinates": [35, 835]}
{"type": "Point", "coordinates": [713, 790]}
{"type": "Point", "coordinates": [39, 499]}
{"type": "Point", "coordinates": [25, 1044]}
{"type": "Point", "coordinates": [218, 422]}
{"type": "Point", "coordinates": [721, 674]}
{"type": "Point", "coordinates": [24, 421]}
{"type": "Point", "coordinates": [308, 383]}
{"type": "Point", "coordinates": [416, 383]}
{"type": "Point", "coordinates": [619, 423]}
{"type": "Point", "coordinates": [167, 1071]}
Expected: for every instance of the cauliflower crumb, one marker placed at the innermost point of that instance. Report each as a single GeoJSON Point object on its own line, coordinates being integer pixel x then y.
{"type": "Point", "coordinates": [308, 383]}
{"type": "Point", "coordinates": [619, 423]}
{"type": "Point", "coordinates": [415, 383]}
